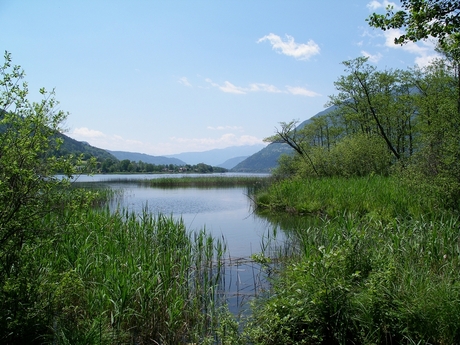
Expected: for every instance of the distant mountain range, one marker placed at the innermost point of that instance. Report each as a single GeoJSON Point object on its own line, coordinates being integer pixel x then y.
{"type": "Point", "coordinates": [267, 158]}
{"type": "Point", "coordinates": [217, 157]}
{"type": "Point", "coordinates": [264, 160]}
{"type": "Point", "coordinates": [136, 157]}
{"type": "Point", "coordinates": [225, 158]}
{"type": "Point", "coordinates": [232, 162]}
{"type": "Point", "coordinates": [72, 146]}
{"type": "Point", "coordinates": [248, 158]}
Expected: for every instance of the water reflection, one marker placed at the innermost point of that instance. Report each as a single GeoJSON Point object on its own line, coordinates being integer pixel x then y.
{"type": "Point", "coordinates": [226, 213]}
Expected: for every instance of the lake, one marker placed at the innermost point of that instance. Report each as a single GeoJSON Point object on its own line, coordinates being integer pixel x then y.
{"type": "Point", "coordinates": [226, 213]}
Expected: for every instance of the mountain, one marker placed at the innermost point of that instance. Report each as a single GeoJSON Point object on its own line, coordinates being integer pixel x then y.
{"type": "Point", "coordinates": [72, 146]}
{"type": "Point", "coordinates": [264, 160]}
{"type": "Point", "coordinates": [136, 157]}
{"type": "Point", "coordinates": [217, 156]}
{"type": "Point", "coordinates": [232, 162]}
{"type": "Point", "coordinates": [267, 158]}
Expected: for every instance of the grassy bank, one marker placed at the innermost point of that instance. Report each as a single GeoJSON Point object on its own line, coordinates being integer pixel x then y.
{"type": "Point", "coordinates": [115, 279]}
{"type": "Point", "coordinates": [375, 196]}
{"type": "Point", "coordinates": [380, 267]}
{"type": "Point", "coordinates": [366, 261]}
{"type": "Point", "coordinates": [200, 182]}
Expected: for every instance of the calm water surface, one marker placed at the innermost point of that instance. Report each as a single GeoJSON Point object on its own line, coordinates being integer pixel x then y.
{"type": "Point", "coordinates": [224, 212]}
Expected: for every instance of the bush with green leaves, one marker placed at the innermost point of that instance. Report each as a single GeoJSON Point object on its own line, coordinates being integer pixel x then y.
{"type": "Point", "coordinates": [29, 188]}
{"type": "Point", "coordinates": [30, 192]}
{"type": "Point", "coordinates": [364, 281]}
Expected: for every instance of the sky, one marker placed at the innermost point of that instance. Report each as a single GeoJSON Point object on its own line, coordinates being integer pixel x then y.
{"type": "Point", "coordinates": [163, 77]}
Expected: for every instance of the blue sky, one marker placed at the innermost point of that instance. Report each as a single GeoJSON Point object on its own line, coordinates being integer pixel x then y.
{"type": "Point", "coordinates": [164, 77]}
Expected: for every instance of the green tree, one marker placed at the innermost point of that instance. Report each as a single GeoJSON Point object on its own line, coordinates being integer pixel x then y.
{"type": "Point", "coordinates": [28, 186]}
{"type": "Point", "coordinates": [34, 201]}
{"type": "Point", "coordinates": [296, 138]}
{"type": "Point", "coordinates": [124, 165]}
{"type": "Point", "coordinates": [376, 103]}
{"type": "Point", "coordinates": [437, 144]}
{"type": "Point", "coordinates": [421, 19]}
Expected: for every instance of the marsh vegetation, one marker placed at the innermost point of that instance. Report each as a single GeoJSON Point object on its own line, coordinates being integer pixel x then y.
{"type": "Point", "coordinates": [368, 201]}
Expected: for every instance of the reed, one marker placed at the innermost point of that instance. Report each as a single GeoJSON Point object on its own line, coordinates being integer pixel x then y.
{"type": "Point", "coordinates": [124, 278]}
{"type": "Point", "coordinates": [200, 182]}
{"type": "Point", "coordinates": [374, 196]}
{"type": "Point", "coordinates": [361, 281]}
{"type": "Point", "coordinates": [378, 264]}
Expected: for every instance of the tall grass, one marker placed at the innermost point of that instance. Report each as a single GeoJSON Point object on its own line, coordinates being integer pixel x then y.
{"type": "Point", "coordinates": [378, 264]}
{"type": "Point", "coordinates": [200, 182]}
{"type": "Point", "coordinates": [124, 279]}
{"type": "Point", "coordinates": [373, 196]}
{"type": "Point", "coordinates": [361, 281]}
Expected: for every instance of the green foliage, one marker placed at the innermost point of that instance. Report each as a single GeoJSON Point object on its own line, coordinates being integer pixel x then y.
{"type": "Point", "coordinates": [110, 165]}
{"type": "Point", "coordinates": [29, 189]}
{"type": "Point", "coordinates": [205, 182]}
{"type": "Point", "coordinates": [33, 201]}
{"type": "Point", "coordinates": [421, 19]}
{"type": "Point", "coordinates": [436, 161]}
{"type": "Point", "coordinates": [369, 129]}
{"type": "Point", "coordinates": [119, 278]}
{"type": "Point", "coordinates": [373, 196]}
{"type": "Point", "coordinates": [71, 273]}
{"type": "Point", "coordinates": [358, 155]}
{"type": "Point", "coordinates": [364, 281]}
{"type": "Point", "coordinates": [115, 278]}
{"type": "Point", "coordinates": [384, 122]}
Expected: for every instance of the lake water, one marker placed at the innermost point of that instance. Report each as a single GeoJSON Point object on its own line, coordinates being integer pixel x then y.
{"type": "Point", "coordinates": [224, 212]}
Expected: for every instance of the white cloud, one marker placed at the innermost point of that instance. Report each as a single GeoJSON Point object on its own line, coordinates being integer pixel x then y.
{"type": "Point", "coordinates": [425, 60]}
{"type": "Point", "coordinates": [184, 81]}
{"type": "Point", "coordinates": [289, 47]}
{"type": "Point", "coordinates": [222, 128]}
{"type": "Point", "coordinates": [296, 90]}
{"type": "Point", "coordinates": [261, 87]}
{"type": "Point", "coordinates": [174, 145]}
{"type": "Point", "coordinates": [226, 140]}
{"type": "Point", "coordinates": [86, 133]}
{"type": "Point", "coordinates": [227, 87]}
{"type": "Point", "coordinates": [372, 58]}
{"type": "Point", "coordinates": [264, 87]}
{"type": "Point", "coordinates": [424, 50]}
{"type": "Point", "coordinates": [375, 5]}
{"type": "Point", "coordinates": [230, 88]}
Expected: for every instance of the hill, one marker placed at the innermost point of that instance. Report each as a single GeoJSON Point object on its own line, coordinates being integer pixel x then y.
{"type": "Point", "coordinates": [136, 157]}
{"type": "Point", "coordinates": [72, 146]}
{"type": "Point", "coordinates": [232, 162]}
{"type": "Point", "coordinates": [267, 158]}
{"type": "Point", "coordinates": [264, 160]}
{"type": "Point", "coordinates": [217, 156]}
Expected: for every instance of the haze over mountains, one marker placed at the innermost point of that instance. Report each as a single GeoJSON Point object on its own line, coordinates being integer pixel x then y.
{"type": "Point", "coordinates": [218, 156]}
{"type": "Point", "coordinates": [255, 158]}
{"type": "Point", "coordinates": [136, 157]}
{"type": "Point", "coordinates": [248, 158]}
{"type": "Point", "coordinates": [225, 158]}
